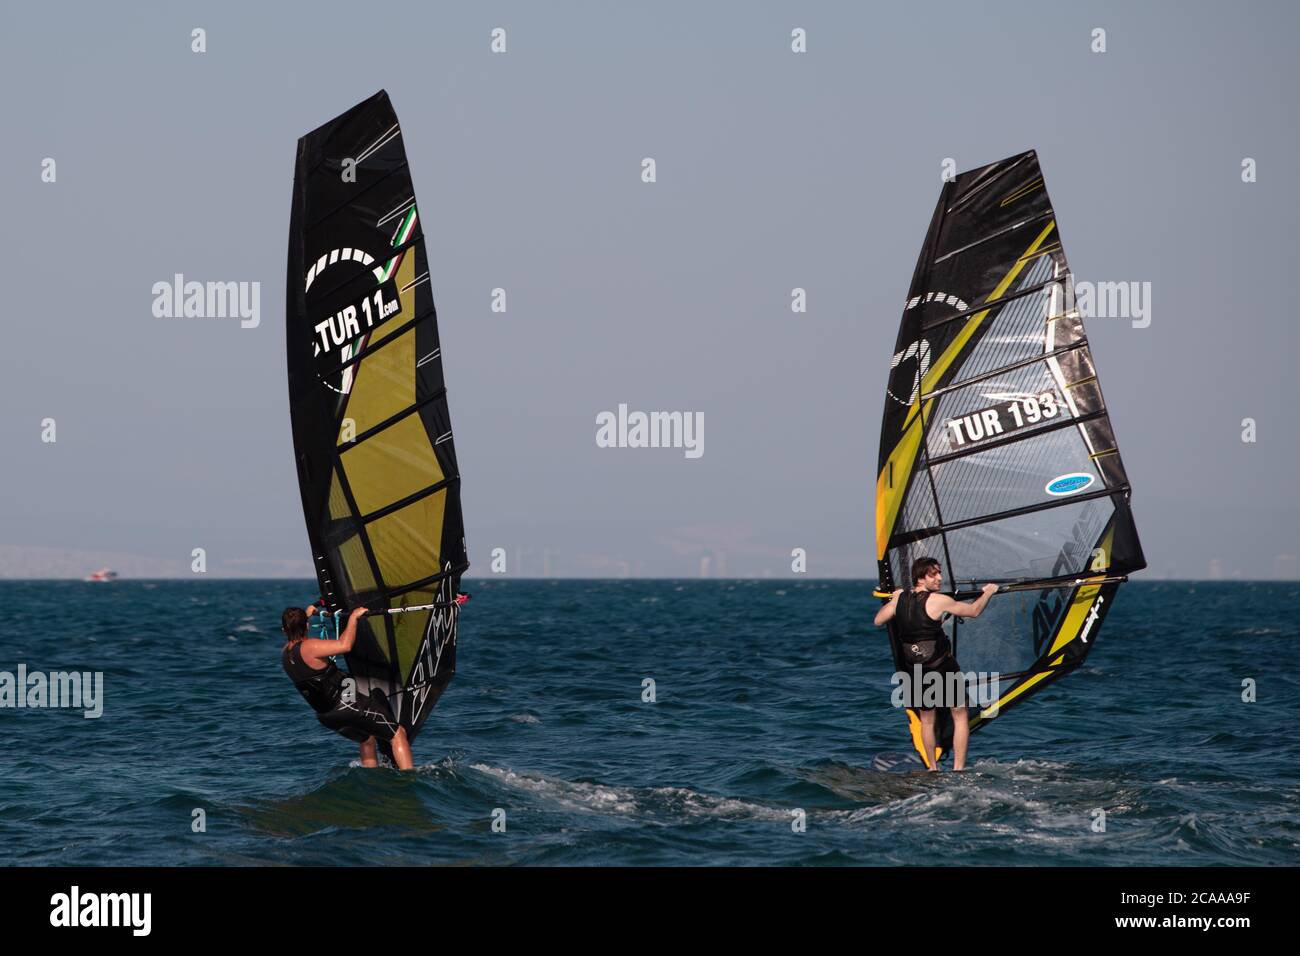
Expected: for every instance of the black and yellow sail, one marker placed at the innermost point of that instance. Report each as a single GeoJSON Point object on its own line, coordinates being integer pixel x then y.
{"type": "Point", "coordinates": [371, 431]}
{"type": "Point", "coordinates": [997, 455]}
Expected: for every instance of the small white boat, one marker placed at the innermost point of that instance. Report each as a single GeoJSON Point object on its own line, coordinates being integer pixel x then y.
{"type": "Point", "coordinates": [103, 574]}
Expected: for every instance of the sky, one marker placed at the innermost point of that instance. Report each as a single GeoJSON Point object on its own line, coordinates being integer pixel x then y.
{"type": "Point", "coordinates": [775, 170]}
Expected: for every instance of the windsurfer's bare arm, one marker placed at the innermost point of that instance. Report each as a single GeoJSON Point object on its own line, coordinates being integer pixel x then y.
{"type": "Point", "coordinates": [318, 650]}
{"type": "Point", "coordinates": [944, 604]}
{"type": "Point", "coordinates": [887, 612]}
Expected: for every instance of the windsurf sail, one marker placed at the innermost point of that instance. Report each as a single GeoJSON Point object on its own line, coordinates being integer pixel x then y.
{"type": "Point", "coordinates": [997, 455]}
{"type": "Point", "coordinates": [371, 431]}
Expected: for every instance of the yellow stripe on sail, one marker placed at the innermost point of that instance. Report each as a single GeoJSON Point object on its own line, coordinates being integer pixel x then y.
{"type": "Point", "coordinates": [889, 495]}
{"type": "Point", "coordinates": [1023, 191]}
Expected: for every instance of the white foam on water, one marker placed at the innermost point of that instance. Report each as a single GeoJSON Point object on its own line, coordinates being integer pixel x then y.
{"type": "Point", "coordinates": [576, 796]}
{"type": "Point", "coordinates": [673, 804]}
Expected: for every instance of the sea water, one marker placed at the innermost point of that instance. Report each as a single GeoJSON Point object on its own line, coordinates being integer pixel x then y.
{"type": "Point", "coordinates": [644, 723]}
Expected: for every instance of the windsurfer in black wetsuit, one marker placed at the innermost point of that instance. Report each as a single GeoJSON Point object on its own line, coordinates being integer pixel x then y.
{"type": "Point", "coordinates": [361, 718]}
{"type": "Point", "coordinates": [923, 641]}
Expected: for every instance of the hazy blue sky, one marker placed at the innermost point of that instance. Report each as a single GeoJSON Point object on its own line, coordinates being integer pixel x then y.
{"type": "Point", "coordinates": [775, 170]}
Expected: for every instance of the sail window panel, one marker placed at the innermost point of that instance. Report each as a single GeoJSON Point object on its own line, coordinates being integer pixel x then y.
{"type": "Point", "coordinates": [918, 510]}
{"type": "Point", "coordinates": [1014, 333]}
{"type": "Point", "coordinates": [391, 464]}
{"type": "Point", "coordinates": [411, 599]}
{"type": "Point", "coordinates": [338, 502]}
{"type": "Point", "coordinates": [382, 384]}
{"type": "Point", "coordinates": [1011, 476]}
{"type": "Point", "coordinates": [1014, 631]}
{"type": "Point", "coordinates": [410, 629]}
{"type": "Point", "coordinates": [1030, 547]}
{"type": "Point", "coordinates": [1015, 403]}
{"type": "Point", "coordinates": [1019, 330]}
{"type": "Point", "coordinates": [406, 542]}
{"type": "Point", "coordinates": [1002, 277]}
{"type": "Point", "coordinates": [398, 375]}
{"type": "Point", "coordinates": [350, 557]}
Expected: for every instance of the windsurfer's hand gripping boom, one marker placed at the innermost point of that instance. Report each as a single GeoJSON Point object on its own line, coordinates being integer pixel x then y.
{"type": "Point", "coordinates": [349, 635]}
{"type": "Point", "coordinates": [324, 648]}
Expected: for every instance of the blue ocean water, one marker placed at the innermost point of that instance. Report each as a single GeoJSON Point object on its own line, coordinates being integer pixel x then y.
{"type": "Point", "coordinates": [771, 697]}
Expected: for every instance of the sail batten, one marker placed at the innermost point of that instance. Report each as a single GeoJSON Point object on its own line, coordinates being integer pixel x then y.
{"type": "Point", "coordinates": [997, 455]}
{"type": "Point", "coordinates": [372, 432]}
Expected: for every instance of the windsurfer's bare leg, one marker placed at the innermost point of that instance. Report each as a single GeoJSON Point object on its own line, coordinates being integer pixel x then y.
{"type": "Point", "coordinates": [368, 758]}
{"type": "Point", "coordinates": [927, 737]}
{"type": "Point", "coordinates": [960, 737]}
{"type": "Point", "coordinates": [402, 750]}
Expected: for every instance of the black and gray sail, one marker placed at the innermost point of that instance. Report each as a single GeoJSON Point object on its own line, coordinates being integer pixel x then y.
{"type": "Point", "coordinates": [997, 453]}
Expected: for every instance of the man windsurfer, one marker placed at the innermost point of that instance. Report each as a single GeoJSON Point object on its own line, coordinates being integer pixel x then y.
{"type": "Point", "coordinates": [923, 642]}
{"type": "Point", "coordinates": [360, 718]}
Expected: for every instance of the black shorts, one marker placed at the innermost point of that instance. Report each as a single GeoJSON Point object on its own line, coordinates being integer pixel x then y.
{"type": "Point", "coordinates": [949, 696]}
{"type": "Point", "coordinates": [369, 716]}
